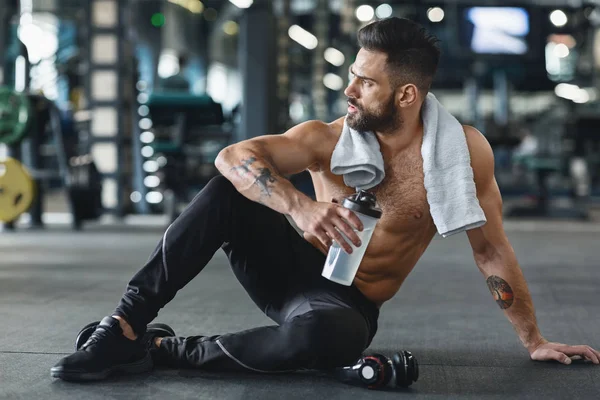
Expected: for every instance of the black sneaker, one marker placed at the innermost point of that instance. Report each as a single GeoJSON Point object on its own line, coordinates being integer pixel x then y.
{"type": "Point", "coordinates": [152, 331]}
{"type": "Point", "coordinates": [105, 352]}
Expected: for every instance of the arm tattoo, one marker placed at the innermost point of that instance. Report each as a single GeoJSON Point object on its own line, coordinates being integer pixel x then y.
{"type": "Point", "coordinates": [501, 291]}
{"type": "Point", "coordinates": [245, 167]}
{"type": "Point", "coordinates": [263, 180]}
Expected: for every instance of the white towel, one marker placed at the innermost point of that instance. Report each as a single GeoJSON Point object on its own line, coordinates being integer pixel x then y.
{"type": "Point", "coordinates": [451, 192]}
{"type": "Point", "coordinates": [358, 158]}
{"type": "Point", "coordinates": [449, 182]}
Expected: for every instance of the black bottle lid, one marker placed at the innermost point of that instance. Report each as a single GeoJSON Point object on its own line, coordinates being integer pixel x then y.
{"type": "Point", "coordinates": [363, 202]}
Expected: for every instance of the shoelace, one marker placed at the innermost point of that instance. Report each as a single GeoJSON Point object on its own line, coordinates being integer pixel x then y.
{"type": "Point", "coordinates": [99, 333]}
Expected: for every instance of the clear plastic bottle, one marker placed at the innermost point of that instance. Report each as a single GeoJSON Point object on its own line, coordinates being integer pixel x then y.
{"type": "Point", "coordinates": [341, 267]}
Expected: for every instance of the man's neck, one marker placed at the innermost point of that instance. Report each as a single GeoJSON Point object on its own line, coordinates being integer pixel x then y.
{"type": "Point", "coordinates": [404, 137]}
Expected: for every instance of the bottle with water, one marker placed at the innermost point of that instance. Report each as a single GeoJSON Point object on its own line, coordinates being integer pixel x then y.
{"type": "Point", "coordinates": [341, 267]}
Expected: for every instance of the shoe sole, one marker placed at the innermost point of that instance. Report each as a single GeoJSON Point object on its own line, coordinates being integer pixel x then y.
{"type": "Point", "coordinates": [143, 365]}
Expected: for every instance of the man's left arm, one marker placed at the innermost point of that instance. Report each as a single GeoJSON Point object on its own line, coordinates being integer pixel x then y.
{"type": "Point", "coordinates": [496, 259]}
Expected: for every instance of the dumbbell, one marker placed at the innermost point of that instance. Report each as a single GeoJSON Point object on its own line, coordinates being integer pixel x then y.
{"type": "Point", "coordinates": [376, 371]}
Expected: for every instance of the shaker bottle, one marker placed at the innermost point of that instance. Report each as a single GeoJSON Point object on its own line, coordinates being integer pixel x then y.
{"type": "Point", "coordinates": [341, 267]}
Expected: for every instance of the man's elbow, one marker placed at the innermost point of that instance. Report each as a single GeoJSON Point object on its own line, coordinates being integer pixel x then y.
{"type": "Point", "coordinates": [492, 257]}
{"type": "Point", "coordinates": [232, 155]}
{"type": "Point", "coordinates": [222, 162]}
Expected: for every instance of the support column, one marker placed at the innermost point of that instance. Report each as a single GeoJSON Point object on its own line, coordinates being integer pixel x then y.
{"type": "Point", "coordinates": [319, 92]}
{"type": "Point", "coordinates": [104, 92]}
{"type": "Point", "coordinates": [283, 66]}
{"type": "Point", "coordinates": [173, 37]}
{"type": "Point", "coordinates": [501, 98]}
{"type": "Point", "coordinates": [258, 70]}
{"type": "Point", "coordinates": [471, 88]}
{"type": "Point", "coordinates": [349, 28]}
{"type": "Point", "coordinates": [5, 12]}
{"type": "Point", "coordinates": [595, 40]}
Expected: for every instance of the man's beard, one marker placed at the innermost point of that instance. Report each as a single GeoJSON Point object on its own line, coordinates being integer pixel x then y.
{"type": "Point", "coordinates": [385, 121]}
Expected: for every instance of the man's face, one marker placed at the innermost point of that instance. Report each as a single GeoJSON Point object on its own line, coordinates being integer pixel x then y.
{"type": "Point", "coordinates": [371, 100]}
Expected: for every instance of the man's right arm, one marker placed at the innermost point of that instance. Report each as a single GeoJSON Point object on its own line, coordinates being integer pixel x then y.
{"type": "Point", "coordinates": [257, 167]}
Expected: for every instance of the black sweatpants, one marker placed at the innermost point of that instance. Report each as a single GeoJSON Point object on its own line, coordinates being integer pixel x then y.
{"type": "Point", "coordinates": [320, 324]}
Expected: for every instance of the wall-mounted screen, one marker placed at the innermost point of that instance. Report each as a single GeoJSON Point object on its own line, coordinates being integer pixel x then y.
{"type": "Point", "coordinates": [496, 30]}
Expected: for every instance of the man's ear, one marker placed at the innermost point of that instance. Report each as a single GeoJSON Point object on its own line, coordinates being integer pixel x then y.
{"type": "Point", "coordinates": [406, 95]}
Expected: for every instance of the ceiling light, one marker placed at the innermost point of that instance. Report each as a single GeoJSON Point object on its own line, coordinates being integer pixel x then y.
{"type": "Point", "coordinates": [334, 56]}
{"type": "Point", "coordinates": [302, 36]}
{"type": "Point", "coordinates": [242, 3]}
{"type": "Point", "coordinates": [558, 18]}
{"type": "Point", "coordinates": [383, 11]}
{"type": "Point", "coordinates": [435, 14]}
{"type": "Point", "coordinates": [365, 13]}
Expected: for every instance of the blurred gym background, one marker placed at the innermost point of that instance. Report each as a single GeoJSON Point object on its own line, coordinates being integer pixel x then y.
{"type": "Point", "coordinates": [112, 110]}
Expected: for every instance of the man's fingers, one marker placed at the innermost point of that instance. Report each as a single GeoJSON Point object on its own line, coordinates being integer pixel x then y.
{"type": "Point", "coordinates": [591, 354]}
{"type": "Point", "coordinates": [347, 230]}
{"type": "Point", "coordinates": [549, 354]}
{"type": "Point", "coordinates": [337, 236]}
{"type": "Point", "coordinates": [323, 238]}
{"type": "Point", "coordinates": [597, 353]}
{"type": "Point", "coordinates": [562, 358]}
{"type": "Point", "coordinates": [349, 216]}
{"type": "Point", "coordinates": [584, 351]}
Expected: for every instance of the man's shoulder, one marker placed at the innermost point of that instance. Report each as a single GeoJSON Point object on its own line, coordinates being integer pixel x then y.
{"type": "Point", "coordinates": [473, 133]}
{"type": "Point", "coordinates": [321, 131]}
{"type": "Point", "coordinates": [337, 126]}
{"type": "Point", "coordinates": [476, 141]}
{"type": "Point", "coordinates": [322, 137]}
{"type": "Point", "coordinates": [482, 156]}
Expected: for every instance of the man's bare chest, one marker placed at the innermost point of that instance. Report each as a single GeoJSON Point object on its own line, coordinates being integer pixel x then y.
{"type": "Point", "coordinates": [401, 195]}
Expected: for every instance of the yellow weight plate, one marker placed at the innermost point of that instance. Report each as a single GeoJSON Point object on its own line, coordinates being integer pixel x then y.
{"type": "Point", "coordinates": [16, 189]}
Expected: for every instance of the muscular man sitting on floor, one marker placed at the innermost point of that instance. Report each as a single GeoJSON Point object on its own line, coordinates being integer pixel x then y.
{"type": "Point", "coordinates": [319, 324]}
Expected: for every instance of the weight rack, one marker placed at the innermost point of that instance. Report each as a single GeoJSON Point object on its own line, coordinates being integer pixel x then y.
{"type": "Point", "coordinates": [31, 152]}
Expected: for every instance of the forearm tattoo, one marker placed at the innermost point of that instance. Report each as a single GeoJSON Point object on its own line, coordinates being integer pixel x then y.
{"type": "Point", "coordinates": [262, 180]}
{"type": "Point", "coordinates": [245, 167]}
{"type": "Point", "coordinates": [501, 291]}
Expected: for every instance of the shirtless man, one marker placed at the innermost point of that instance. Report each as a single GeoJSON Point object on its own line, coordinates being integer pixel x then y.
{"type": "Point", "coordinates": [320, 324]}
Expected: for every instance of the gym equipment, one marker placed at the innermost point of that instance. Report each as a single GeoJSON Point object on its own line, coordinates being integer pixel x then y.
{"type": "Point", "coordinates": [52, 159]}
{"type": "Point", "coordinates": [547, 158]}
{"type": "Point", "coordinates": [15, 112]}
{"type": "Point", "coordinates": [543, 167]}
{"type": "Point", "coordinates": [377, 371]}
{"type": "Point", "coordinates": [16, 190]}
{"type": "Point", "coordinates": [585, 163]}
{"type": "Point", "coordinates": [201, 110]}
{"type": "Point", "coordinates": [84, 188]}
{"type": "Point", "coordinates": [189, 132]}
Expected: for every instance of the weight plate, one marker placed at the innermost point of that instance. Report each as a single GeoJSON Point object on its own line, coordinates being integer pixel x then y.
{"type": "Point", "coordinates": [17, 190]}
{"type": "Point", "coordinates": [15, 112]}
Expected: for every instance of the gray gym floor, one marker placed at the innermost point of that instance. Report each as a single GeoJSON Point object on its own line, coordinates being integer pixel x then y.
{"type": "Point", "coordinates": [54, 282]}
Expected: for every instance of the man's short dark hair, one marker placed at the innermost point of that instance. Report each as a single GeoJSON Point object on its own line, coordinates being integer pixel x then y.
{"type": "Point", "coordinates": [412, 53]}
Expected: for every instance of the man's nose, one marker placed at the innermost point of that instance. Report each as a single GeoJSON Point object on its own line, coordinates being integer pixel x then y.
{"type": "Point", "coordinates": [350, 90]}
